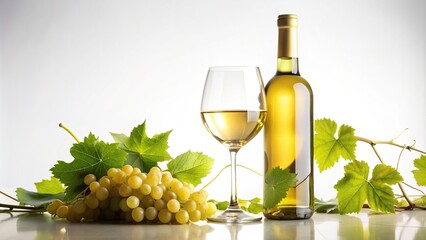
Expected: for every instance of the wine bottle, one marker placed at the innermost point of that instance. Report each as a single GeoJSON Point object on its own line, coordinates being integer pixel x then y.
{"type": "Point", "coordinates": [288, 131]}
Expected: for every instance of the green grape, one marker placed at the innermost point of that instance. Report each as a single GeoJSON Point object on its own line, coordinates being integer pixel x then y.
{"type": "Point", "coordinates": [175, 185]}
{"type": "Point", "coordinates": [155, 171]}
{"type": "Point", "coordinates": [189, 186]}
{"type": "Point", "coordinates": [111, 172]}
{"type": "Point", "coordinates": [91, 201]}
{"type": "Point", "coordinates": [151, 213]}
{"type": "Point", "coordinates": [132, 202]}
{"type": "Point", "coordinates": [89, 178]}
{"type": "Point", "coordinates": [104, 203]}
{"type": "Point", "coordinates": [164, 216]}
{"type": "Point", "coordinates": [152, 180]}
{"type": "Point", "coordinates": [62, 211]}
{"type": "Point", "coordinates": [197, 197]}
{"type": "Point", "coordinates": [128, 216]}
{"type": "Point", "coordinates": [136, 171]}
{"type": "Point", "coordinates": [72, 215]}
{"type": "Point", "coordinates": [94, 186]}
{"type": "Point", "coordinates": [169, 195]}
{"type": "Point", "coordinates": [166, 178]}
{"type": "Point", "coordinates": [53, 206]}
{"type": "Point", "coordinates": [143, 176]}
{"type": "Point", "coordinates": [105, 182]}
{"type": "Point", "coordinates": [79, 207]}
{"type": "Point", "coordinates": [137, 214]}
{"type": "Point", "coordinates": [145, 189]}
{"type": "Point", "coordinates": [123, 205]}
{"type": "Point", "coordinates": [102, 193]}
{"type": "Point", "coordinates": [204, 194]}
{"type": "Point", "coordinates": [114, 204]}
{"type": "Point", "coordinates": [131, 195]}
{"type": "Point", "coordinates": [190, 205]}
{"type": "Point", "coordinates": [114, 191]}
{"type": "Point", "coordinates": [119, 177]}
{"type": "Point", "coordinates": [127, 169]}
{"type": "Point", "coordinates": [211, 209]}
{"type": "Point", "coordinates": [91, 214]}
{"type": "Point", "coordinates": [182, 216]}
{"type": "Point", "coordinates": [163, 187]}
{"type": "Point", "coordinates": [159, 204]}
{"type": "Point", "coordinates": [195, 216]}
{"type": "Point", "coordinates": [134, 182]}
{"type": "Point", "coordinates": [173, 205]}
{"type": "Point", "coordinates": [125, 190]}
{"type": "Point", "coordinates": [202, 207]}
{"type": "Point", "coordinates": [156, 192]}
{"type": "Point", "coordinates": [183, 194]}
{"type": "Point", "coordinates": [147, 201]}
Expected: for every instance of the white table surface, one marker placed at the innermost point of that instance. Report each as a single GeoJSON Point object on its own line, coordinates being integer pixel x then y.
{"type": "Point", "coordinates": [402, 225]}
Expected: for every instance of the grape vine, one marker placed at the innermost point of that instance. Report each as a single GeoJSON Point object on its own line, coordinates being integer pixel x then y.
{"type": "Point", "coordinates": [143, 153]}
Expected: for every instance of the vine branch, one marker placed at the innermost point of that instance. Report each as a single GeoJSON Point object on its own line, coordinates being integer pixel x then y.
{"type": "Point", "coordinates": [392, 142]}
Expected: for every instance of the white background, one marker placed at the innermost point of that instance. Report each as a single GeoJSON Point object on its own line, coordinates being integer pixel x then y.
{"type": "Point", "coordinates": [106, 66]}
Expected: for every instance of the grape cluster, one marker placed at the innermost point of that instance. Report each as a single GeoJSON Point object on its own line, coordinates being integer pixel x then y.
{"type": "Point", "coordinates": [134, 196]}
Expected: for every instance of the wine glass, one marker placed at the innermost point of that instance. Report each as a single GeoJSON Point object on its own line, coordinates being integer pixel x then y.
{"type": "Point", "coordinates": [233, 109]}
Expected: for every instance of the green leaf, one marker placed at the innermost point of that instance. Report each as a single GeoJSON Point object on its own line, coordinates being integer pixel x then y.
{"type": "Point", "coordinates": [190, 167]}
{"type": "Point", "coordinates": [329, 206]}
{"type": "Point", "coordinates": [384, 174]}
{"type": "Point", "coordinates": [401, 203]}
{"type": "Point", "coordinates": [36, 199]}
{"type": "Point", "coordinates": [90, 156]}
{"type": "Point", "coordinates": [52, 186]}
{"type": "Point", "coordinates": [380, 197]}
{"type": "Point", "coordinates": [420, 172]}
{"type": "Point", "coordinates": [420, 202]}
{"type": "Point", "coordinates": [355, 188]}
{"type": "Point", "coordinates": [223, 205]}
{"type": "Point", "coordinates": [144, 152]}
{"type": "Point", "coordinates": [277, 183]}
{"type": "Point", "coordinates": [255, 208]}
{"type": "Point", "coordinates": [256, 200]}
{"type": "Point", "coordinates": [328, 149]}
{"type": "Point", "coordinates": [352, 188]}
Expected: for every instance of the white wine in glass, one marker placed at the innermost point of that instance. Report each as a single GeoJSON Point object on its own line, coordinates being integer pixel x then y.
{"type": "Point", "coordinates": [233, 109]}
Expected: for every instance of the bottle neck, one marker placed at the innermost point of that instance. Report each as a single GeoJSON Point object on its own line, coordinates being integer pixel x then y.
{"type": "Point", "coordinates": [287, 50]}
{"type": "Point", "coordinates": [288, 66]}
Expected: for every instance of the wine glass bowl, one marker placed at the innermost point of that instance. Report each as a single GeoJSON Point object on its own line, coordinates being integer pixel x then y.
{"type": "Point", "coordinates": [233, 109]}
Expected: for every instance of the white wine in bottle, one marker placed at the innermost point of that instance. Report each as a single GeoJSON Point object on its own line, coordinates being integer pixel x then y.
{"type": "Point", "coordinates": [288, 140]}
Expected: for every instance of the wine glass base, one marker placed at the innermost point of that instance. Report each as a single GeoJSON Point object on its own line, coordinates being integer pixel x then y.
{"type": "Point", "coordinates": [235, 216]}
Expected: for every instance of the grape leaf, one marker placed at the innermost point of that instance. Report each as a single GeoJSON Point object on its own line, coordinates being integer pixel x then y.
{"type": "Point", "coordinates": [420, 172]}
{"type": "Point", "coordinates": [144, 152]}
{"type": "Point", "coordinates": [90, 156]}
{"type": "Point", "coordinates": [277, 183]}
{"type": "Point", "coordinates": [223, 205]}
{"type": "Point", "coordinates": [355, 188]}
{"type": "Point", "coordinates": [329, 206]}
{"type": "Point", "coordinates": [52, 186]}
{"type": "Point", "coordinates": [36, 199]}
{"type": "Point", "coordinates": [328, 149]}
{"type": "Point", "coordinates": [352, 188]}
{"type": "Point", "coordinates": [190, 167]}
{"type": "Point", "coordinates": [420, 202]}
{"type": "Point", "coordinates": [255, 208]}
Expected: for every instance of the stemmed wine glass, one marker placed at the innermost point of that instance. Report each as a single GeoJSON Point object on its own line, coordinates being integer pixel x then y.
{"type": "Point", "coordinates": [233, 109]}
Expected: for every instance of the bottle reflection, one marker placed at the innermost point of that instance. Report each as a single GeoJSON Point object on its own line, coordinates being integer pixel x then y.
{"type": "Point", "coordinates": [288, 229]}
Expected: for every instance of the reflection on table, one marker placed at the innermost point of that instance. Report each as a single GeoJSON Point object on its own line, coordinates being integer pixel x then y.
{"type": "Point", "coordinates": [402, 225]}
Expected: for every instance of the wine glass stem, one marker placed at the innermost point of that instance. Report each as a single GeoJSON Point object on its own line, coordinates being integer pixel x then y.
{"type": "Point", "coordinates": [233, 204]}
